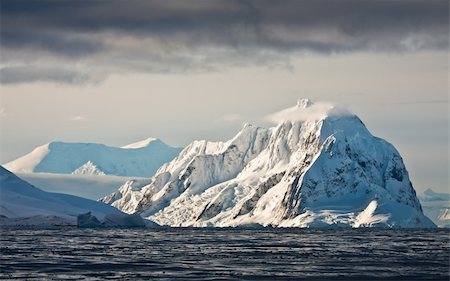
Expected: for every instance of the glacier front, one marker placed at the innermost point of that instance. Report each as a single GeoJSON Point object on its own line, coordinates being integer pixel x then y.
{"type": "Point", "coordinates": [319, 167]}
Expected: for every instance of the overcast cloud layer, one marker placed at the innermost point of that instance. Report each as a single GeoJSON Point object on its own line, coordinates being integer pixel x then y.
{"type": "Point", "coordinates": [85, 41]}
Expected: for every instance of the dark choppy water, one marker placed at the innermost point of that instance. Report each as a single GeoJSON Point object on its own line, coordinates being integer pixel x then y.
{"type": "Point", "coordinates": [223, 254]}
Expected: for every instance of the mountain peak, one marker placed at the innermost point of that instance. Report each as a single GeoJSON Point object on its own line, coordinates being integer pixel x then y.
{"type": "Point", "coordinates": [140, 144]}
{"type": "Point", "coordinates": [320, 167]}
{"type": "Point", "coordinates": [430, 195]}
{"type": "Point", "coordinates": [304, 103]}
{"type": "Point", "coordinates": [306, 110]}
{"type": "Point", "coordinates": [248, 126]}
{"type": "Point", "coordinates": [89, 168]}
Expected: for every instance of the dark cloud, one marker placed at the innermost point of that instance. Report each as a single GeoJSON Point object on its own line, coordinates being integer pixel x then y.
{"type": "Point", "coordinates": [197, 33]}
{"type": "Point", "coordinates": [56, 43]}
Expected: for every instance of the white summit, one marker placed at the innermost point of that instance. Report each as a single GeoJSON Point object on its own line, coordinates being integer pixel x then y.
{"type": "Point", "coordinates": [140, 159]}
{"type": "Point", "coordinates": [319, 167]}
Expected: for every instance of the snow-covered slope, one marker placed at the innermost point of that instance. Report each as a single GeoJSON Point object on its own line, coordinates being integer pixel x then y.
{"type": "Point", "coordinates": [20, 200]}
{"type": "Point", "coordinates": [140, 144]}
{"type": "Point", "coordinates": [436, 206]}
{"type": "Point", "coordinates": [217, 162]}
{"type": "Point", "coordinates": [140, 159]}
{"type": "Point", "coordinates": [318, 167]}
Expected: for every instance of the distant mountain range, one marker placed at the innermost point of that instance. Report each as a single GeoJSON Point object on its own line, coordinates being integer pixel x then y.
{"type": "Point", "coordinates": [319, 167]}
{"type": "Point", "coordinates": [436, 206]}
{"type": "Point", "coordinates": [141, 159]}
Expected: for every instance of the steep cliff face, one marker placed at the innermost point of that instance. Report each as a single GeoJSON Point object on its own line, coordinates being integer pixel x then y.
{"type": "Point", "coordinates": [318, 167]}
{"type": "Point", "coordinates": [199, 166]}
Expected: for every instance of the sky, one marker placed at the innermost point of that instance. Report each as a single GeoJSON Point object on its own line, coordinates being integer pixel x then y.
{"type": "Point", "coordinates": [115, 72]}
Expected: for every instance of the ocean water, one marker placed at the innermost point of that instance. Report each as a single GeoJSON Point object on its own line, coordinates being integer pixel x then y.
{"type": "Point", "coordinates": [70, 253]}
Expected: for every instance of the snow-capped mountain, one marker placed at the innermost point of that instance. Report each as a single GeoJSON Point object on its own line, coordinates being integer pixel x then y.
{"type": "Point", "coordinates": [140, 159]}
{"type": "Point", "coordinates": [89, 169]}
{"type": "Point", "coordinates": [22, 203]}
{"type": "Point", "coordinates": [319, 166]}
{"type": "Point", "coordinates": [436, 206]}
